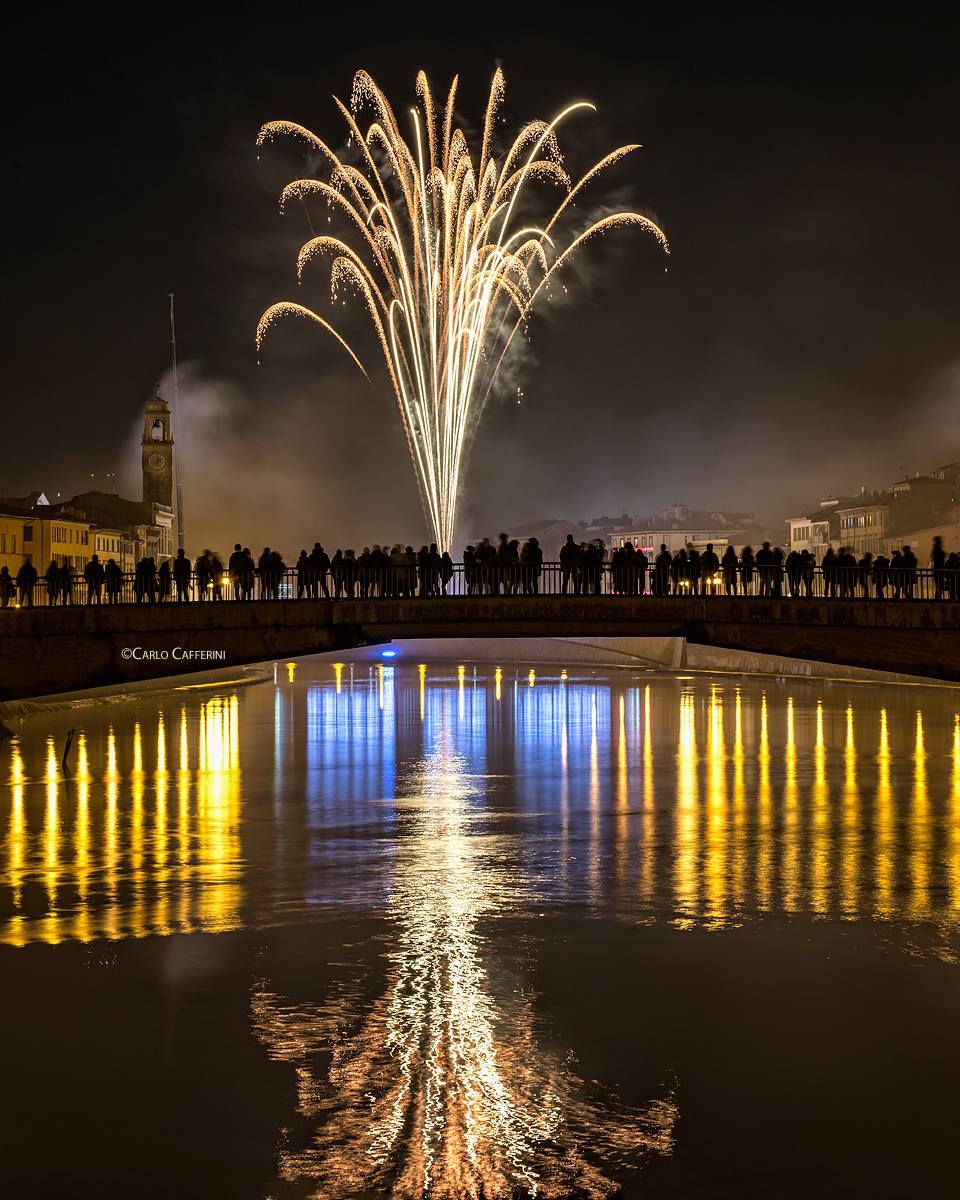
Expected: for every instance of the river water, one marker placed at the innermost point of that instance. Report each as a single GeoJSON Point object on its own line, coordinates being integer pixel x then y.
{"type": "Point", "coordinates": [472, 932]}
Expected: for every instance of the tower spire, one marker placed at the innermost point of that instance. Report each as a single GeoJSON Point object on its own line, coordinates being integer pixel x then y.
{"type": "Point", "coordinates": [176, 418]}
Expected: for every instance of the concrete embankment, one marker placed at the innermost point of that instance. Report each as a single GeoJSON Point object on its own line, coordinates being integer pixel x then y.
{"type": "Point", "coordinates": [20, 710]}
{"type": "Point", "coordinates": [637, 653]}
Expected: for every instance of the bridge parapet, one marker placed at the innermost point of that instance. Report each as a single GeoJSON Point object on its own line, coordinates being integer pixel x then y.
{"type": "Point", "coordinates": [49, 650]}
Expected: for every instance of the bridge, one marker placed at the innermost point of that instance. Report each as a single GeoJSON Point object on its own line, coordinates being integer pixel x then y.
{"type": "Point", "coordinates": [47, 650]}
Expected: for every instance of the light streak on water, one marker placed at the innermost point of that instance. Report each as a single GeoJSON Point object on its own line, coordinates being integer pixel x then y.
{"type": "Point", "coordinates": [441, 1088]}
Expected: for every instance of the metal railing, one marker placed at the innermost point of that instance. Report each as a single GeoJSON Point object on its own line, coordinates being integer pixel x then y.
{"type": "Point", "coordinates": [361, 581]}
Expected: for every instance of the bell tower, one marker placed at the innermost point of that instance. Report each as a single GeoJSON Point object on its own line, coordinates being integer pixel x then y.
{"type": "Point", "coordinates": [157, 455]}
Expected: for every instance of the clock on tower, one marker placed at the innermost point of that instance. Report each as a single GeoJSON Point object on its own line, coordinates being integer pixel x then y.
{"type": "Point", "coordinates": [157, 455]}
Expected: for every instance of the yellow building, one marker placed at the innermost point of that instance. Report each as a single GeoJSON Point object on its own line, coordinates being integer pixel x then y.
{"type": "Point", "coordinates": [33, 531]}
{"type": "Point", "coordinates": [59, 538]}
{"type": "Point", "coordinates": [43, 533]}
{"type": "Point", "coordinates": [118, 544]}
{"type": "Point", "coordinates": [11, 540]}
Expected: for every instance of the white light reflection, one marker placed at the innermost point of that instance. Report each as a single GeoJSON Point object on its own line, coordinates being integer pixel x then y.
{"type": "Point", "coordinates": [441, 1089]}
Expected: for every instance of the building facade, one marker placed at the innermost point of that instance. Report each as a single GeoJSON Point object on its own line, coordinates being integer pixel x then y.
{"type": "Point", "coordinates": [11, 540]}
{"type": "Point", "coordinates": [863, 526]}
{"type": "Point", "coordinates": [33, 530]}
{"type": "Point", "coordinates": [119, 544]}
{"type": "Point", "coordinates": [910, 512]}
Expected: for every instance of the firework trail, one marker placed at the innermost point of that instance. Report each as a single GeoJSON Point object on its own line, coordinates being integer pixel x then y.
{"type": "Point", "coordinates": [441, 258]}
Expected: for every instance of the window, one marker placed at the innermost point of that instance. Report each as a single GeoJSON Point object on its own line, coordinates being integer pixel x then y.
{"type": "Point", "coordinates": [28, 533]}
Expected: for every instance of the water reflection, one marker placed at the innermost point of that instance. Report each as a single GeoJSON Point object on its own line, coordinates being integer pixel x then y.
{"type": "Point", "coordinates": [671, 799]}
{"type": "Point", "coordinates": [450, 809]}
{"type": "Point", "coordinates": [99, 858]}
{"type": "Point", "coordinates": [441, 1087]}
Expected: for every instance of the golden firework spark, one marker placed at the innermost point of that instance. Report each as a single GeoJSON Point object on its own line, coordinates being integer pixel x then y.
{"type": "Point", "coordinates": [445, 266]}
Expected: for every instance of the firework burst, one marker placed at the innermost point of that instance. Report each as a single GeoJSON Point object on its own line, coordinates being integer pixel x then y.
{"type": "Point", "coordinates": [441, 258]}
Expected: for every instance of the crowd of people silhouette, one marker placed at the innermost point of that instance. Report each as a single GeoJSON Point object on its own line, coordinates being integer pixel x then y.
{"type": "Point", "coordinates": [506, 567]}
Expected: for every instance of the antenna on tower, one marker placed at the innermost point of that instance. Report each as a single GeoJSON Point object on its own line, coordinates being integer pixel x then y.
{"type": "Point", "coordinates": [176, 420]}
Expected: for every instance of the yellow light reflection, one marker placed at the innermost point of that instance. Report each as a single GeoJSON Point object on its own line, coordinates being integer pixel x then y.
{"type": "Point", "coordinates": [184, 843]}
{"type": "Point", "coordinates": [161, 917]}
{"type": "Point", "coordinates": [184, 742]}
{"type": "Point", "coordinates": [137, 749]}
{"type": "Point", "coordinates": [104, 867]}
{"type": "Point", "coordinates": [111, 922]}
{"type": "Point", "coordinates": [82, 928]}
{"type": "Point", "coordinates": [953, 870]}
{"type": "Point", "coordinates": [111, 754]}
{"type": "Point", "coordinates": [790, 886]}
{"type": "Point", "coordinates": [920, 828]}
{"type": "Point", "coordinates": [564, 783]}
{"type": "Point", "coordinates": [51, 845]}
{"type": "Point", "coordinates": [686, 831]}
{"type": "Point", "coordinates": [648, 872]}
{"type": "Point", "coordinates": [137, 919]}
{"type": "Point", "coordinates": [16, 847]}
{"type": "Point", "coordinates": [621, 791]}
{"type": "Point", "coordinates": [819, 816]}
{"type": "Point", "coordinates": [850, 850]}
{"type": "Point", "coordinates": [764, 814]}
{"type": "Point", "coordinates": [98, 854]}
{"type": "Point", "coordinates": [217, 816]}
{"type": "Point", "coordinates": [161, 746]}
{"type": "Point", "coordinates": [884, 818]}
{"type": "Point", "coordinates": [717, 834]}
{"type": "Point", "coordinates": [622, 784]}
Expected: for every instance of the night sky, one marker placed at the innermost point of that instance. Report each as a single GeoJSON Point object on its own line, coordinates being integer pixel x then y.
{"type": "Point", "coordinates": [804, 340]}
